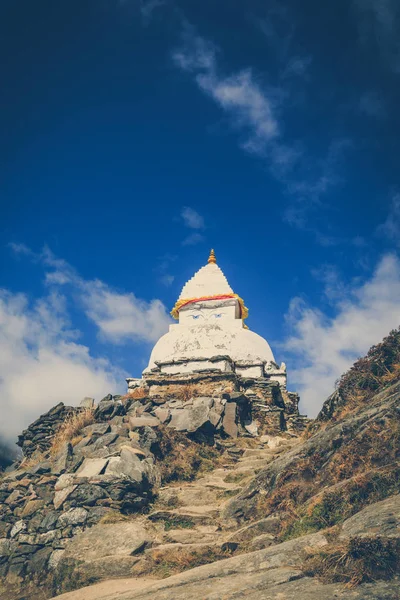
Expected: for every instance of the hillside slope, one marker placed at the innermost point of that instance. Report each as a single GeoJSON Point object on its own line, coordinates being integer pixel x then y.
{"type": "Point", "coordinates": [257, 518]}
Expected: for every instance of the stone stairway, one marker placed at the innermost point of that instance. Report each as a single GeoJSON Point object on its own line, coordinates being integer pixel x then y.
{"type": "Point", "coordinates": [187, 519]}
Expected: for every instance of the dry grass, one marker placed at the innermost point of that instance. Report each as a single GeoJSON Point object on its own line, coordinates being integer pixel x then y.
{"type": "Point", "coordinates": [366, 464]}
{"type": "Point", "coordinates": [113, 517]}
{"type": "Point", "coordinates": [164, 563]}
{"type": "Point", "coordinates": [379, 368]}
{"type": "Point", "coordinates": [356, 561]}
{"type": "Point", "coordinates": [70, 429]}
{"type": "Point", "coordinates": [186, 392]}
{"type": "Point", "coordinates": [182, 459]}
{"type": "Point", "coordinates": [136, 394]}
{"type": "Point", "coordinates": [377, 445]}
{"type": "Point", "coordinates": [333, 506]}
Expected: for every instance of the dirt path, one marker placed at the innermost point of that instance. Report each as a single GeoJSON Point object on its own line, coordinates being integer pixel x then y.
{"type": "Point", "coordinates": [188, 525]}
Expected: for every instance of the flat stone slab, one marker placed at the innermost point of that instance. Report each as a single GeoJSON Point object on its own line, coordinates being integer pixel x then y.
{"type": "Point", "coordinates": [60, 496]}
{"type": "Point", "coordinates": [92, 467]}
{"type": "Point", "coordinates": [145, 421]}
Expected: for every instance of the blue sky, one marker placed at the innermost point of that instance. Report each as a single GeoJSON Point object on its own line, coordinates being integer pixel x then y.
{"type": "Point", "coordinates": [137, 135]}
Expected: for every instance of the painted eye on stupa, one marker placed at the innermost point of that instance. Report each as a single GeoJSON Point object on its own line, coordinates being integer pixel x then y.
{"type": "Point", "coordinates": [217, 316]}
{"type": "Point", "coordinates": [195, 316]}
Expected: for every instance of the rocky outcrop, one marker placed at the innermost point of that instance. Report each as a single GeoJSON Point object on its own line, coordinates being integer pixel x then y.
{"type": "Point", "coordinates": [48, 499]}
{"type": "Point", "coordinates": [263, 406]}
{"type": "Point", "coordinates": [39, 434]}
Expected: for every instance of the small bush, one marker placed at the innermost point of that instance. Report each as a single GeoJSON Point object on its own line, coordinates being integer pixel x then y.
{"type": "Point", "coordinates": [356, 561]}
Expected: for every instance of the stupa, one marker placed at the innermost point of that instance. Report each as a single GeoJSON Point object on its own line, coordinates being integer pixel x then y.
{"type": "Point", "coordinates": [211, 333]}
{"type": "Point", "coordinates": [210, 358]}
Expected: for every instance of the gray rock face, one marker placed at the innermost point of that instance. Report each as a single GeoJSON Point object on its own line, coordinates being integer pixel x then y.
{"type": "Point", "coordinates": [105, 550]}
{"type": "Point", "coordinates": [190, 418]}
{"type": "Point", "coordinates": [75, 516]}
{"type": "Point", "coordinates": [144, 421]}
{"type": "Point", "coordinates": [38, 435]}
{"type": "Point", "coordinates": [380, 519]}
{"type": "Point", "coordinates": [230, 419]}
{"type": "Point", "coordinates": [276, 584]}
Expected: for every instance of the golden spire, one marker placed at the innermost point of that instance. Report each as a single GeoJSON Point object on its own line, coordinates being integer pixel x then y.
{"type": "Point", "coordinates": [211, 259]}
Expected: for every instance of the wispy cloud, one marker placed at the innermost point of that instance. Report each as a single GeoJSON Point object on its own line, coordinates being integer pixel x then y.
{"type": "Point", "coordinates": [255, 110]}
{"type": "Point", "coordinates": [390, 229]}
{"type": "Point", "coordinates": [192, 220]}
{"type": "Point", "coordinates": [307, 194]}
{"type": "Point", "coordinates": [163, 269]}
{"type": "Point", "coordinates": [323, 347]}
{"type": "Point", "coordinates": [240, 95]}
{"type": "Point", "coordinates": [193, 239]}
{"type": "Point", "coordinates": [372, 105]}
{"type": "Point", "coordinates": [378, 24]}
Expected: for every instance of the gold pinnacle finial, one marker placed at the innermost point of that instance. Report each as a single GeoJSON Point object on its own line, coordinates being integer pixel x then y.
{"type": "Point", "coordinates": [211, 259]}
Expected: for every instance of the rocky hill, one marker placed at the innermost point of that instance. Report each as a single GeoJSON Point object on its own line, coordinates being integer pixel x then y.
{"type": "Point", "coordinates": [145, 500]}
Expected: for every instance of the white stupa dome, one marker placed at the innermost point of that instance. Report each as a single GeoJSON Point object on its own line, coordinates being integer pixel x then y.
{"type": "Point", "coordinates": [210, 324]}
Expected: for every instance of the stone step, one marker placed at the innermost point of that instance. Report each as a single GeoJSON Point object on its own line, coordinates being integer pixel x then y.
{"type": "Point", "coordinates": [265, 453]}
{"type": "Point", "coordinates": [254, 463]}
{"type": "Point", "coordinates": [201, 547]}
{"type": "Point", "coordinates": [182, 519]}
{"type": "Point", "coordinates": [190, 536]}
{"type": "Point", "coordinates": [205, 509]}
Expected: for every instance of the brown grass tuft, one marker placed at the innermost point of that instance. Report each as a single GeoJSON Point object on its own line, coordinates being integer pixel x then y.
{"type": "Point", "coordinates": [356, 561]}
{"type": "Point", "coordinates": [379, 368]}
{"type": "Point", "coordinates": [113, 517]}
{"type": "Point", "coordinates": [186, 392]}
{"type": "Point", "coordinates": [164, 563]}
{"type": "Point", "coordinates": [136, 394]}
{"type": "Point", "coordinates": [70, 429]}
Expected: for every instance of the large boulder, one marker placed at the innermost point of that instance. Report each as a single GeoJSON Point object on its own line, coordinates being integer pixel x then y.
{"type": "Point", "coordinates": [103, 551]}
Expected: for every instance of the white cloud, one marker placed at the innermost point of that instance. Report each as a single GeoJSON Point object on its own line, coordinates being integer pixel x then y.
{"type": "Point", "coordinates": [324, 347]}
{"type": "Point", "coordinates": [119, 316]}
{"type": "Point", "coordinates": [240, 95]}
{"type": "Point", "coordinates": [41, 362]}
{"type": "Point", "coordinates": [192, 218]}
{"type": "Point", "coordinates": [167, 279]}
